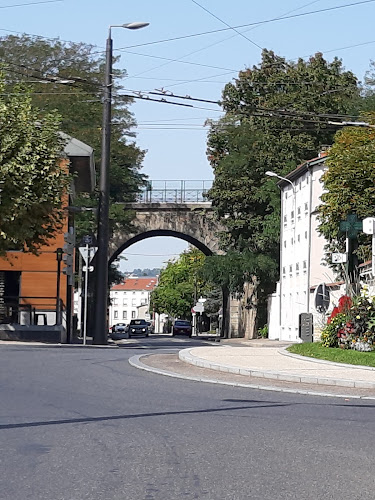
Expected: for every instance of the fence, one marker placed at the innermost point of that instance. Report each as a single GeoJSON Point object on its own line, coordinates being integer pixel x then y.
{"type": "Point", "coordinates": [30, 310]}
{"type": "Point", "coordinates": [175, 192]}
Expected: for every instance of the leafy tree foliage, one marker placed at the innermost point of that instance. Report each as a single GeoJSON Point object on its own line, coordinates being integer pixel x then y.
{"type": "Point", "coordinates": [274, 119]}
{"type": "Point", "coordinates": [270, 124]}
{"type": "Point", "coordinates": [350, 185]}
{"type": "Point", "coordinates": [43, 63]}
{"type": "Point", "coordinates": [180, 285]}
{"type": "Point", "coordinates": [32, 179]}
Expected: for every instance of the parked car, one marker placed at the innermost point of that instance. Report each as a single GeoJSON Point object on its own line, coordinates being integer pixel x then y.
{"type": "Point", "coordinates": [138, 327]}
{"type": "Point", "coordinates": [181, 327]}
{"type": "Point", "coordinates": [118, 331]}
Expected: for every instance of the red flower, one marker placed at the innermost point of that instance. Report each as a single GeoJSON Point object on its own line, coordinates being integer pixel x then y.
{"type": "Point", "coordinates": [333, 314]}
{"type": "Point", "coordinates": [345, 303]}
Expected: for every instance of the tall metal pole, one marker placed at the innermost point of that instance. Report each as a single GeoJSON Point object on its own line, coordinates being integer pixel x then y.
{"type": "Point", "coordinates": [59, 252]}
{"type": "Point", "coordinates": [86, 293]}
{"type": "Point", "coordinates": [100, 329]}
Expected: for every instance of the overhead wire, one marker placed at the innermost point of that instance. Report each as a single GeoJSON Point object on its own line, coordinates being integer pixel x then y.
{"type": "Point", "coordinates": [265, 21]}
{"type": "Point", "coordinates": [29, 3]}
{"type": "Point", "coordinates": [226, 24]}
{"type": "Point", "coordinates": [180, 59]}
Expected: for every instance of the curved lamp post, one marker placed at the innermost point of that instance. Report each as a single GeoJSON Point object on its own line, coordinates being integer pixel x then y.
{"type": "Point", "coordinates": [273, 174]}
{"type": "Point", "coordinates": [101, 298]}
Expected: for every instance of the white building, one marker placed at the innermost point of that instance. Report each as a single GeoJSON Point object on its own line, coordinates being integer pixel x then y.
{"type": "Point", "coordinates": [302, 266]}
{"type": "Point", "coordinates": [131, 299]}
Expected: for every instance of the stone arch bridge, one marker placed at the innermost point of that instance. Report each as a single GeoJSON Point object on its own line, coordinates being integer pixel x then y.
{"type": "Point", "coordinates": [180, 211]}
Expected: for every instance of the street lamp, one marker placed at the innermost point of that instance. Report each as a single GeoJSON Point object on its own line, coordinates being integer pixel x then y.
{"type": "Point", "coordinates": [100, 329]}
{"type": "Point", "coordinates": [273, 174]}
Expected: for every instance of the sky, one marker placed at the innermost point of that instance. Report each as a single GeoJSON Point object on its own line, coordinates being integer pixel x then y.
{"type": "Point", "coordinates": [193, 48]}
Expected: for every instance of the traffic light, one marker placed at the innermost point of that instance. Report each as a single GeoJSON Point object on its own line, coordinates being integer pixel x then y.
{"type": "Point", "coordinates": [67, 258]}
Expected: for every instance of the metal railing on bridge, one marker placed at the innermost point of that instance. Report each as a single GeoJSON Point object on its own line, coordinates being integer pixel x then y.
{"type": "Point", "coordinates": [174, 192]}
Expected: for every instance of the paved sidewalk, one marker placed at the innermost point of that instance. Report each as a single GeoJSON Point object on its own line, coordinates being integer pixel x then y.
{"type": "Point", "coordinates": [262, 364]}
{"type": "Point", "coordinates": [278, 364]}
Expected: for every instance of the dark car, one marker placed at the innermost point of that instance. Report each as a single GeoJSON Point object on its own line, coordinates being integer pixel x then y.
{"type": "Point", "coordinates": [119, 331]}
{"type": "Point", "coordinates": [182, 327]}
{"type": "Point", "coordinates": [138, 327]}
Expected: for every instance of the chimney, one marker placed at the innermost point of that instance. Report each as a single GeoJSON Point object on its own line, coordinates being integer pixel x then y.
{"type": "Point", "coordinates": [324, 150]}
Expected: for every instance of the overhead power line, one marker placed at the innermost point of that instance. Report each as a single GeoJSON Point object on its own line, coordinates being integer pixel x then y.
{"type": "Point", "coordinates": [226, 24]}
{"type": "Point", "coordinates": [29, 3]}
{"type": "Point", "coordinates": [266, 21]}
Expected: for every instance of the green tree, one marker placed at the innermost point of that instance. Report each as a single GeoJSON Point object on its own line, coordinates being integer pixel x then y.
{"type": "Point", "coordinates": [180, 285]}
{"type": "Point", "coordinates": [32, 179]}
{"type": "Point", "coordinates": [274, 119]}
{"type": "Point", "coordinates": [350, 185]}
{"type": "Point", "coordinates": [43, 63]}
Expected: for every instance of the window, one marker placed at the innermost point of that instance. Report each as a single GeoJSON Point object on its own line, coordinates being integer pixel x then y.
{"type": "Point", "coordinates": [142, 293]}
{"type": "Point", "coordinates": [290, 269]}
{"type": "Point", "coordinates": [115, 314]}
{"type": "Point", "coordinates": [284, 271]}
{"type": "Point", "coordinates": [292, 215]}
{"type": "Point", "coordinates": [306, 208]}
{"type": "Point", "coordinates": [125, 302]}
{"type": "Point", "coordinates": [134, 302]}
{"type": "Point", "coordinates": [284, 243]}
{"type": "Point", "coordinates": [124, 314]}
{"type": "Point", "coordinates": [285, 219]}
{"type": "Point", "coordinates": [133, 293]}
{"type": "Point", "coordinates": [115, 301]}
{"type": "Point", "coordinates": [297, 267]}
{"type": "Point", "coordinates": [299, 238]}
{"type": "Point", "coordinates": [305, 235]}
{"type": "Point", "coordinates": [133, 314]}
{"type": "Point", "coordinates": [143, 302]}
{"type": "Point", "coordinates": [291, 241]}
{"type": "Point", "coordinates": [299, 212]}
{"type": "Point", "coordinates": [304, 265]}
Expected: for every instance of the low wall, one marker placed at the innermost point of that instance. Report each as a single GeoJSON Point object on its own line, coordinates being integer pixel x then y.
{"type": "Point", "coordinates": [33, 333]}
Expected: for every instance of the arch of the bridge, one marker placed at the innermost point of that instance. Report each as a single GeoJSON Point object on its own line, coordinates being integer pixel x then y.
{"type": "Point", "coordinates": [160, 232]}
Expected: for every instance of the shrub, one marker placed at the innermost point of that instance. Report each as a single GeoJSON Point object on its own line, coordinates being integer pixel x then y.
{"type": "Point", "coordinates": [329, 336]}
{"type": "Point", "coordinates": [351, 324]}
{"type": "Point", "coordinates": [263, 332]}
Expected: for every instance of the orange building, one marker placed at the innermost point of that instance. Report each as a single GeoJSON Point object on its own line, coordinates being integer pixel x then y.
{"type": "Point", "coordinates": [35, 298]}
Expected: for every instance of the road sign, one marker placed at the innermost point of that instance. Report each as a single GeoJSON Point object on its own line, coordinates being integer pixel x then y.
{"type": "Point", "coordinates": [338, 258]}
{"type": "Point", "coordinates": [87, 253]}
{"type": "Point", "coordinates": [198, 308]}
{"type": "Point", "coordinates": [88, 239]}
{"type": "Point", "coordinates": [322, 298]}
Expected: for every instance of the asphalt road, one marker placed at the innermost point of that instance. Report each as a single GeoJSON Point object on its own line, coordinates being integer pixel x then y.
{"type": "Point", "coordinates": [83, 424]}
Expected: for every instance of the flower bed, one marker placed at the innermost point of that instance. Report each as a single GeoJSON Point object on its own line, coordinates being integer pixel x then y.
{"type": "Point", "coordinates": [351, 324]}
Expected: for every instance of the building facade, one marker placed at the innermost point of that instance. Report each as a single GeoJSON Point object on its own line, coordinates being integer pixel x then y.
{"type": "Point", "coordinates": [131, 300]}
{"type": "Point", "coordinates": [302, 255]}
{"type": "Point", "coordinates": [31, 286]}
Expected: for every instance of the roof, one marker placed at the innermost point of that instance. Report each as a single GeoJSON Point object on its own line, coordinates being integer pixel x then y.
{"type": "Point", "coordinates": [82, 163]}
{"type": "Point", "coordinates": [302, 169]}
{"type": "Point", "coordinates": [134, 284]}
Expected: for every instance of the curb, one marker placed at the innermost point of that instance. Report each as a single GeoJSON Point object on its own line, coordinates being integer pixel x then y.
{"type": "Point", "coordinates": [284, 352]}
{"type": "Point", "coordinates": [136, 362]}
{"type": "Point", "coordinates": [57, 346]}
{"type": "Point", "coordinates": [186, 356]}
